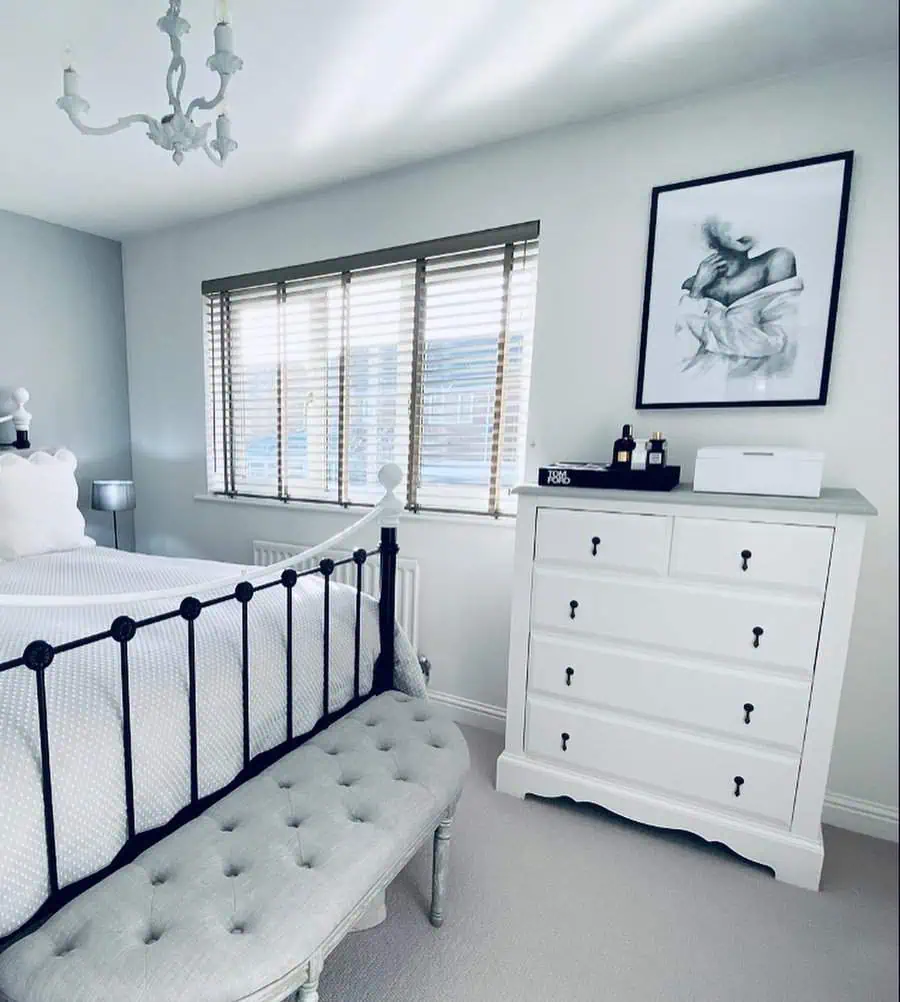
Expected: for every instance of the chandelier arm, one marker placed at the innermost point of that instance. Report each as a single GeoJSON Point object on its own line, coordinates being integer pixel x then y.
{"type": "Point", "coordinates": [203, 104]}
{"type": "Point", "coordinates": [108, 130]}
{"type": "Point", "coordinates": [217, 160]}
{"type": "Point", "coordinates": [179, 66]}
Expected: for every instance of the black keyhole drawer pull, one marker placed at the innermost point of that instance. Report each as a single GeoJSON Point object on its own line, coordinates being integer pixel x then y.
{"type": "Point", "coordinates": [569, 673]}
{"type": "Point", "coordinates": [758, 631]}
{"type": "Point", "coordinates": [738, 783]}
{"type": "Point", "coordinates": [748, 709]}
{"type": "Point", "coordinates": [745, 557]}
{"type": "Point", "coordinates": [565, 741]}
{"type": "Point", "coordinates": [595, 542]}
{"type": "Point", "coordinates": [573, 605]}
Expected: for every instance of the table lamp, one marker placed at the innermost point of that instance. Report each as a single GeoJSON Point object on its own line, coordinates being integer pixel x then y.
{"type": "Point", "coordinates": [114, 496]}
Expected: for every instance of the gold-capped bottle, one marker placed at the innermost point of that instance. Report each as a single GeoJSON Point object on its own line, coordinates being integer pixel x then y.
{"type": "Point", "coordinates": [623, 449]}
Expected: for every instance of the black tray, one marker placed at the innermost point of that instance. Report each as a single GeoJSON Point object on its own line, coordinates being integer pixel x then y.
{"type": "Point", "coordinates": [597, 476]}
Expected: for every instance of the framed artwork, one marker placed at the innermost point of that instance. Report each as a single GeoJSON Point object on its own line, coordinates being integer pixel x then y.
{"type": "Point", "coordinates": [741, 291]}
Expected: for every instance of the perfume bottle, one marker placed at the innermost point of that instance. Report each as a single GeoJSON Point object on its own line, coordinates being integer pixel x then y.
{"type": "Point", "coordinates": [623, 449]}
{"type": "Point", "coordinates": [656, 451]}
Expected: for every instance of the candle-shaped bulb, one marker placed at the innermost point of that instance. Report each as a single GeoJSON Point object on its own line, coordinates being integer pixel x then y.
{"type": "Point", "coordinates": [223, 128]}
{"type": "Point", "coordinates": [224, 36]}
{"type": "Point", "coordinates": [70, 76]}
{"type": "Point", "coordinates": [222, 12]}
{"type": "Point", "coordinates": [67, 58]}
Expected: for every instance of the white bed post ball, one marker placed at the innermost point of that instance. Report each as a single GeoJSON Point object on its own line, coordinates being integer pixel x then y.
{"type": "Point", "coordinates": [21, 417]}
{"type": "Point", "coordinates": [390, 476]}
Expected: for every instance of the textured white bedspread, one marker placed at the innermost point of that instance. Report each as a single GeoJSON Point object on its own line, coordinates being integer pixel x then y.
{"type": "Point", "coordinates": [85, 710]}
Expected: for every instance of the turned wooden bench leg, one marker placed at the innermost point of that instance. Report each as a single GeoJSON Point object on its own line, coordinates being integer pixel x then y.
{"type": "Point", "coordinates": [439, 871]}
{"type": "Point", "coordinates": [309, 992]}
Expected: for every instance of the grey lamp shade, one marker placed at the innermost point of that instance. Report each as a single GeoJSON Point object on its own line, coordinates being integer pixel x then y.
{"type": "Point", "coordinates": [112, 495]}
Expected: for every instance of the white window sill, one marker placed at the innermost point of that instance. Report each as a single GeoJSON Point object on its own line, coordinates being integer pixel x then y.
{"type": "Point", "coordinates": [453, 518]}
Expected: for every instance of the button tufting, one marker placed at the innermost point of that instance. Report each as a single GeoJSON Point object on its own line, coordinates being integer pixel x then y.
{"type": "Point", "coordinates": [322, 806]}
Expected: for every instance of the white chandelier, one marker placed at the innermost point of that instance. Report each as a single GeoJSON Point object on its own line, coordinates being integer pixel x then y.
{"type": "Point", "coordinates": [175, 131]}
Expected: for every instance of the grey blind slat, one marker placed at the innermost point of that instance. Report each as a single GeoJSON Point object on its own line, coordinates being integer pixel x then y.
{"type": "Point", "coordinates": [316, 381]}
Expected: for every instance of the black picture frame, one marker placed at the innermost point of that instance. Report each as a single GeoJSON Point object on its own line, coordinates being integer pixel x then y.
{"type": "Point", "coordinates": [821, 397]}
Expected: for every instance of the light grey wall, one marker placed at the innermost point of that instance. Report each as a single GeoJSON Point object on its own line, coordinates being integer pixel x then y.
{"type": "Point", "coordinates": [590, 187]}
{"type": "Point", "coordinates": [62, 335]}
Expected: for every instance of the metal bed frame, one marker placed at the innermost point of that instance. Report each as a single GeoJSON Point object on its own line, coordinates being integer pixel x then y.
{"type": "Point", "coordinates": [39, 657]}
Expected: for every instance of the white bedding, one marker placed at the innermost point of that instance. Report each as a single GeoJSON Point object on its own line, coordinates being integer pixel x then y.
{"type": "Point", "coordinates": [84, 702]}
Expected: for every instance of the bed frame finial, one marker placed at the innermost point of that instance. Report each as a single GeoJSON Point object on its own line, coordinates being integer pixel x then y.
{"type": "Point", "coordinates": [390, 476]}
{"type": "Point", "coordinates": [21, 418]}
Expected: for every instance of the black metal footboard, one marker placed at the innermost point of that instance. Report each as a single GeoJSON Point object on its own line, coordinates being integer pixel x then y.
{"type": "Point", "coordinates": [39, 657]}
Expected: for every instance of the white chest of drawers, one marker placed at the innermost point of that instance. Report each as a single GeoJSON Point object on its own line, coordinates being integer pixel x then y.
{"type": "Point", "coordinates": [678, 659]}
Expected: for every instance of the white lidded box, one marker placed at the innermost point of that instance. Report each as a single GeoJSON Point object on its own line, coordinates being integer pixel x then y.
{"type": "Point", "coordinates": [759, 470]}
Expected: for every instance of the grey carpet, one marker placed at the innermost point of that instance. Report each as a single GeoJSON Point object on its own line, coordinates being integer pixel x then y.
{"type": "Point", "coordinates": [558, 902]}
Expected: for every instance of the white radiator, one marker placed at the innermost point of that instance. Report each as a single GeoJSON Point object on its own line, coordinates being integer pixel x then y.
{"type": "Point", "coordinates": [265, 552]}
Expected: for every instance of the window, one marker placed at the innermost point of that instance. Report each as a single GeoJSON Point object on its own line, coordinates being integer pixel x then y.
{"type": "Point", "coordinates": [418, 355]}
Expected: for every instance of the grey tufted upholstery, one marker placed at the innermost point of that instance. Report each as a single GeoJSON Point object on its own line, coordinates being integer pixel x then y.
{"type": "Point", "coordinates": [250, 890]}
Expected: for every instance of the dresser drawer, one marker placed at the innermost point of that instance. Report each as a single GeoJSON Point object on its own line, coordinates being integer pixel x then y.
{"type": "Point", "coordinates": [696, 768]}
{"type": "Point", "coordinates": [600, 540]}
{"type": "Point", "coordinates": [753, 553]}
{"type": "Point", "coordinates": [752, 627]}
{"type": "Point", "coordinates": [746, 705]}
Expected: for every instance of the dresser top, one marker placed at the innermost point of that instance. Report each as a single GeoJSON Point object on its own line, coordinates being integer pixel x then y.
{"type": "Point", "coordinates": [833, 500]}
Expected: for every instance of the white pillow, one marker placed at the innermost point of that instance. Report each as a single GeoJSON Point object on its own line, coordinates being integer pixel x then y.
{"type": "Point", "coordinates": [39, 505]}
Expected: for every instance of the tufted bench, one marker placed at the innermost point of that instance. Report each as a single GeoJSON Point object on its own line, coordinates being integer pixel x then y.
{"type": "Point", "coordinates": [244, 903]}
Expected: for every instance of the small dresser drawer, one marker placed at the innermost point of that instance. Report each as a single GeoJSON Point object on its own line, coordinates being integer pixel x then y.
{"type": "Point", "coordinates": [604, 540]}
{"type": "Point", "coordinates": [751, 627]}
{"type": "Point", "coordinates": [750, 781]}
{"type": "Point", "coordinates": [753, 553]}
{"type": "Point", "coordinates": [745, 705]}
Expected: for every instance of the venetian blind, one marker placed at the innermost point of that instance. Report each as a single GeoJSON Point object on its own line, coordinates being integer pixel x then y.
{"type": "Point", "coordinates": [418, 355]}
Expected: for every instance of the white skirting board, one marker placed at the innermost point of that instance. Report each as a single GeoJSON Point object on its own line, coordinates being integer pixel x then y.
{"type": "Point", "coordinates": [471, 712]}
{"type": "Point", "coordinates": [862, 816]}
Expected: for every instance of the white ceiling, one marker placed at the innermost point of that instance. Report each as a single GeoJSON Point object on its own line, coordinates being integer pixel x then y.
{"type": "Point", "coordinates": [333, 89]}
